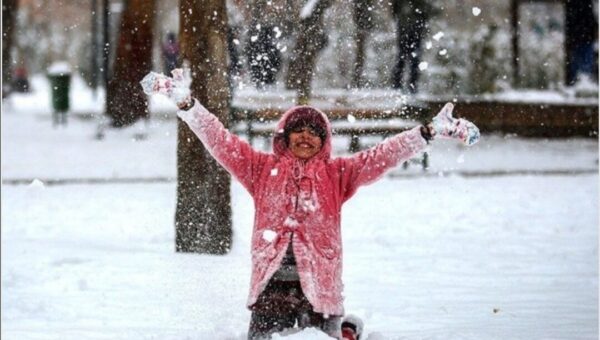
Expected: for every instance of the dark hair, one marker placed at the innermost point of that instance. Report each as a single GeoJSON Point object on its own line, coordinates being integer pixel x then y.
{"type": "Point", "coordinates": [310, 121]}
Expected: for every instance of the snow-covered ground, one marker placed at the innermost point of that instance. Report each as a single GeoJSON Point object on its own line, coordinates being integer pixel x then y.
{"type": "Point", "coordinates": [497, 241]}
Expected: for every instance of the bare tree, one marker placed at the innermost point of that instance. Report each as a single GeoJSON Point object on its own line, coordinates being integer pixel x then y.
{"type": "Point", "coordinates": [9, 11]}
{"type": "Point", "coordinates": [203, 212]}
{"type": "Point", "coordinates": [126, 102]}
{"type": "Point", "coordinates": [310, 41]}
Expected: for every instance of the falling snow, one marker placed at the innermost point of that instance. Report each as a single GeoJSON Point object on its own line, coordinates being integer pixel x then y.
{"type": "Point", "coordinates": [92, 271]}
{"type": "Point", "coordinates": [495, 241]}
{"type": "Point", "coordinates": [269, 235]}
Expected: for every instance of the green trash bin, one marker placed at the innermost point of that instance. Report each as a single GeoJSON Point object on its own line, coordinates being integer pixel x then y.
{"type": "Point", "coordinates": [60, 84]}
{"type": "Point", "coordinates": [59, 75]}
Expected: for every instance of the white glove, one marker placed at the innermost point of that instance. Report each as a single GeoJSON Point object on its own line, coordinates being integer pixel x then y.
{"type": "Point", "coordinates": [447, 126]}
{"type": "Point", "coordinates": [177, 88]}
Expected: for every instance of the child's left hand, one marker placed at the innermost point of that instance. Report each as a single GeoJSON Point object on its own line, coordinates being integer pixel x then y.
{"type": "Point", "coordinates": [446, 126]}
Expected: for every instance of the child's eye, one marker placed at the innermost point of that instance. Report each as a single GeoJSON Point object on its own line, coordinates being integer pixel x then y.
{"type": "Point", "coordinates": [305, 128]}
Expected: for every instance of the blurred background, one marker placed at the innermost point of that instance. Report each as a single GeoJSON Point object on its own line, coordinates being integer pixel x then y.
{"type": "Point", "coordinates": [463, 47]}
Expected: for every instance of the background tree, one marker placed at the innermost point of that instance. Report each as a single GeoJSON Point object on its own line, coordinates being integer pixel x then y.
{"type": "Point", "coordinates": [363, 20]}
{"type": "Point", "coordinates": [203, 212]}
{"type": "Point", "coordinates": [9, 11]}
{"type": "Point", "coordinates": [310, 40]}
{"type": "Point", "coordinates": [126, 102]}
{"type": "Point", "coordinates": [265, 25]}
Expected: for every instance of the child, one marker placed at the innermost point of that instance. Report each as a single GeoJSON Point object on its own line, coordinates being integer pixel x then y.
{"type": "Point", "coordinates": [298, 191]}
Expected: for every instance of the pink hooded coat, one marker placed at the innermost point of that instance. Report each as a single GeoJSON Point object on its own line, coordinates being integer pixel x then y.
{"type": "Point", "coordinates": [299, 201]}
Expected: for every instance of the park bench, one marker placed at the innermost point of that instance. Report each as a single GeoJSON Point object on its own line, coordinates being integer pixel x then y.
{"type": "Point", "coordinates": [352, 123]}
{"type": "Point", "coordinates": [358, 114]}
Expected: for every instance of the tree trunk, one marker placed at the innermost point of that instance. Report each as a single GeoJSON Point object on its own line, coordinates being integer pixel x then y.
{"type": "Point", "coordinates": [203, 212]}
{"type": "Point", "coordinates": [310, 41]}
{"type": "Point", "coordinates": [9, 11]}
{"type": "Point", "coordinates": [126, 102]}
{"type": "Point", "coordinates": [514, 14]}
{"type": "Point", "coordinates": [364, 23]}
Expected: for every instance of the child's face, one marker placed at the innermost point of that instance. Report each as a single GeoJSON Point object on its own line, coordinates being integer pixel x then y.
{"type": "Point", "coordinates": [304, 142]}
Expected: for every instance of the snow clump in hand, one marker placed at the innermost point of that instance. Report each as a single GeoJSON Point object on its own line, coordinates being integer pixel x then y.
{"type": "Point", "coordinates": [176, 88]}
{"type": "Point", "coordinates": [449, 127]}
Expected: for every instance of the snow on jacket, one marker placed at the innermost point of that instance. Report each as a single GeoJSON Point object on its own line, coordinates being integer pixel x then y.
{"type": "Point", "coordinates": [299, 200]}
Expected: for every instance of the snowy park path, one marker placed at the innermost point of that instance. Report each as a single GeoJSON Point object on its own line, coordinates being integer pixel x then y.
{"type": "Point", "coordinates": [441, 256]}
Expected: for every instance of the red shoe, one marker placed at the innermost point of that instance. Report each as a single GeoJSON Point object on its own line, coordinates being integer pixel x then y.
{"type": "Point", "coordinates": [352, 327]}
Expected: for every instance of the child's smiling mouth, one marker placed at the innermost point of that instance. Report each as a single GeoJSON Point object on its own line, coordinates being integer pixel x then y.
{"type": "Point", "coordinates": [305, 145]}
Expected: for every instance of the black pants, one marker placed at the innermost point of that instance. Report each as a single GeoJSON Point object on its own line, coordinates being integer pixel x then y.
{"type": "Point", "coordinates": [263, 56]}
{"type": "Point", "coordinates": [282, 305]}
{"type": "Point", "coordinates": [409, 52]}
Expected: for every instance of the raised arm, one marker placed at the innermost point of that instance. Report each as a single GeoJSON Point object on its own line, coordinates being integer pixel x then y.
{"type": "Point", "coordinates": [367, 166]}
{"type": "Point", "coordinates": [233, 153]}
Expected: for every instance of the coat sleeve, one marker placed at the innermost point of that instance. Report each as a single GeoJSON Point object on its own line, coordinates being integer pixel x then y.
{"type": "Point", "coordinates": [369, 165]}
{"type": "Point", "coordinates": [233, 153]}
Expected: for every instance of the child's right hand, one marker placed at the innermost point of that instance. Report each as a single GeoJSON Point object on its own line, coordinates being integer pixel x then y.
{"type": "Point", "coordinates": [176, 88]}
{"type": "Point", "coordinates": [447, 126]}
